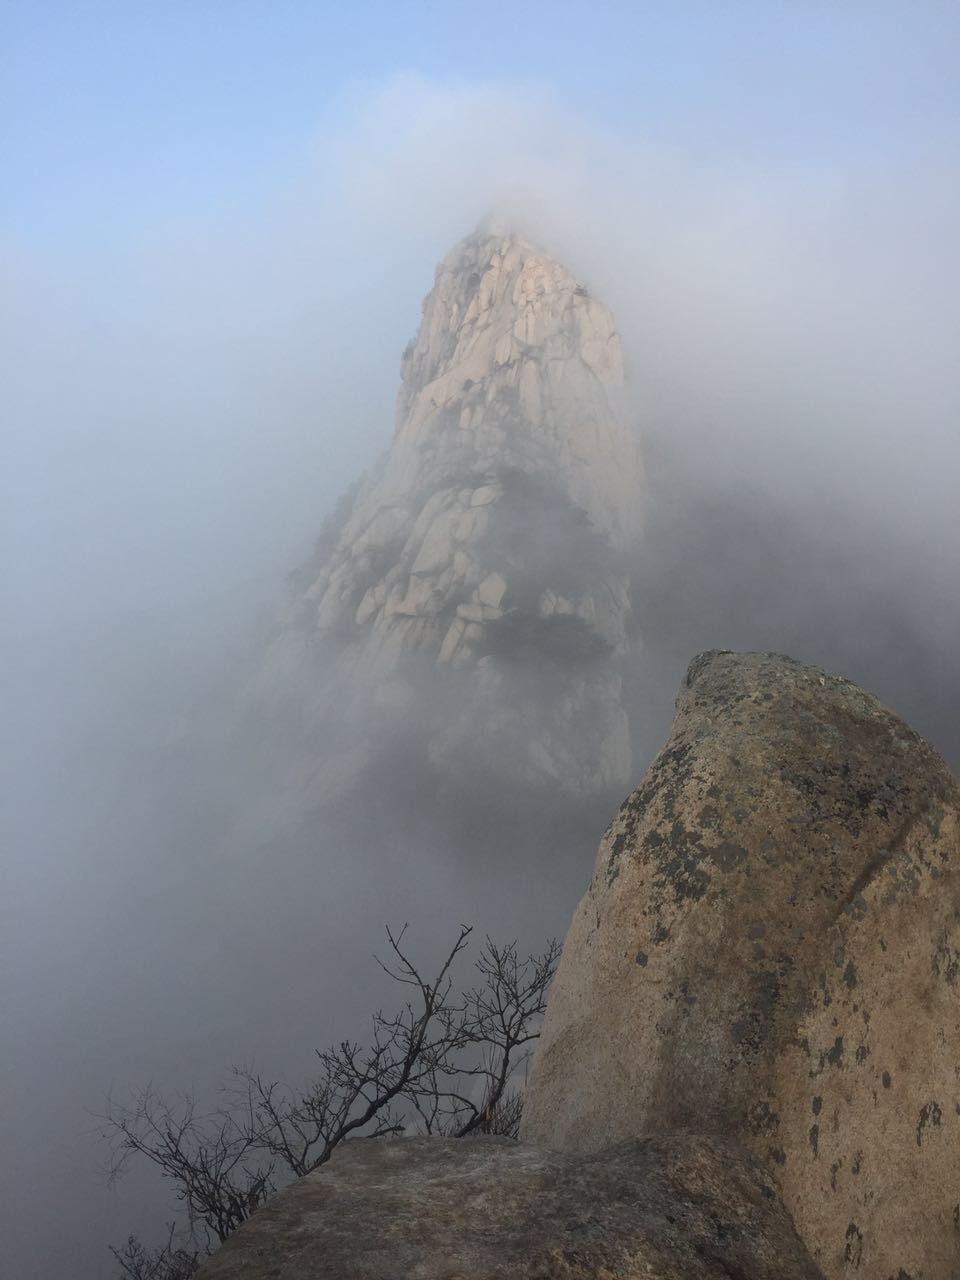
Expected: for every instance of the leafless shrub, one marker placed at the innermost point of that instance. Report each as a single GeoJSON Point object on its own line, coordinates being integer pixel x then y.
{"type": "Point", "coordinates": [169, 1261]}
{"type": "Point", "coordinates": [446, 1063]}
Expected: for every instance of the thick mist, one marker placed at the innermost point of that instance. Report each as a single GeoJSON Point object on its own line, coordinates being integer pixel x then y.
{"type": "Point", "coordinates": [186, 413]}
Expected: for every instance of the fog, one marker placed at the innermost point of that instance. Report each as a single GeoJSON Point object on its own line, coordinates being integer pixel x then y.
{"type": "Point", "coordinates": [186, 411]}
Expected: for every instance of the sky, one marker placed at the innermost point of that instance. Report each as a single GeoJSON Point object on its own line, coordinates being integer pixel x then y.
{"type": "Point", "coordinates": [122, 118]}
{"type": "Point", "coordinates": [217, 224]}
{"type": "Point", "coordinates": [201, 199]}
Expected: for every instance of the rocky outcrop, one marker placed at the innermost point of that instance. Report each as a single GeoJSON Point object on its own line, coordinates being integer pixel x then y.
{"type": "Point", "coordinates": [770, 949]}
{"type": "Point", "coordinates": [681, 1208]}
{"type": "Point", "coordinates": [489, 545]}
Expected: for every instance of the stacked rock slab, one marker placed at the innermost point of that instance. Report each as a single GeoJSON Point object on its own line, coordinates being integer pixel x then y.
{"type": "Point", "coordinates": [491, 539]}
{"type": "Point", "coordinates": [491, 1209]}
{"type": "Point", "coordinates": [770, 949]}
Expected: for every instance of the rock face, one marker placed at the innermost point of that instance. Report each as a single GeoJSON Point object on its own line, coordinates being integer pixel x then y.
{"type": "Point", "coordinates": [770, 948]}
{"type": "Point", "coordinates": [489, 545]}
{"type": "Point", "coordinates": [672, 1209]}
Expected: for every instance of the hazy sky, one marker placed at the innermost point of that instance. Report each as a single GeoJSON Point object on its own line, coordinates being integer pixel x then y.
{"type": "Point", "coordinates": [131, 119]}
{"type": "Point", "coordinates": [218, 221]}
{"type": "Point", "coordinates": [216, 215]}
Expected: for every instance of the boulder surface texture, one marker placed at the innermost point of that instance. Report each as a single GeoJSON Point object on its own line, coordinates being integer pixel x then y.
{"type": "Point", "coordinates": [770, 949]}
{"type": "Point", "coordinates": [678, 1208]}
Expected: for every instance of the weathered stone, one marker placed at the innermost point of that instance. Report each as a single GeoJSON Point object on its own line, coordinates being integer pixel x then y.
{"type": "Point", "coordinates": [681, 1208]}
{"type": "Point", "coordinates": [511, 475]}
{"type": "Point", "coordinates": [770, 948]}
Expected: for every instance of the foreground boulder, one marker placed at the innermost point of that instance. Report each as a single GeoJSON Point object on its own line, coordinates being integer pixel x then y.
{"type": "Point", "coordinates": [770, 948]}
{"type": "Point", "coordinates": [679, 1208]}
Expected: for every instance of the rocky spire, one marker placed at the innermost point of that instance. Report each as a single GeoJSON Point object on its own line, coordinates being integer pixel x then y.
{"type": "Point", "coordinates": [517, 364]}
{"type": "Point", "coordinates": [491, 538]}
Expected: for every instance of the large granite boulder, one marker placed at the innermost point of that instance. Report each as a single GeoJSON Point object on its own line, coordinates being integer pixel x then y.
{"type": "Point", "coordinates": [484, 561]}
{"type": "Point", "coordinates": [679, 1208]}
{"type": "Point", "coordinates": [770, 949]}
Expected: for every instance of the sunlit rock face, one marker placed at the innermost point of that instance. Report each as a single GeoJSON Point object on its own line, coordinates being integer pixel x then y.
{"type": "Point", "coordinates": [483, 563]}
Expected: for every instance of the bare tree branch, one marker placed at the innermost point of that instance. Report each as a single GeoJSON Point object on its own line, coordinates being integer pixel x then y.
{"type": "Point", "coordinates": [443, 1064]}
{"type": "Point", "coordinates": [169, 1261]}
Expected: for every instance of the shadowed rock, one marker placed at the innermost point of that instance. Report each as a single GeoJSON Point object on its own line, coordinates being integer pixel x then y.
{"type": "Point", "coordinates": [770, 949]}
{"type": "Point", "coordinates": [680, 1208]}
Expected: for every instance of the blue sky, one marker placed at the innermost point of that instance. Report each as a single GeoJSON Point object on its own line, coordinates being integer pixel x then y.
{"type": "Point", "coordinates": [118, 116]}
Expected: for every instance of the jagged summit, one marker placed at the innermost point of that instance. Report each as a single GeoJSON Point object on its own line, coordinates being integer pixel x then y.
{"type": "Point", "coordinates": [491, 538]}
{"type": "Point", "coordinates": [518, 362]}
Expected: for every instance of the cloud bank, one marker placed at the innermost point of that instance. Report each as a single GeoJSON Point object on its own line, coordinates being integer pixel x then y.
{"type": "Point", "coordinates": [186, 411]}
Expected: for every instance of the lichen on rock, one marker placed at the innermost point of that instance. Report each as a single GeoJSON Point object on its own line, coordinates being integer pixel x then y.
{"type": "Point", "coordinates": [768, 950]}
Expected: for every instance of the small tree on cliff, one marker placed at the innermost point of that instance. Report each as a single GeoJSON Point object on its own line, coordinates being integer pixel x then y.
{"type": "Point", "coordinates": [447, 1063]}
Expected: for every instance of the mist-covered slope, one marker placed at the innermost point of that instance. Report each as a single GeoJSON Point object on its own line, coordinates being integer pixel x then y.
{"type": "Point", "coordinates": [488, 552]}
